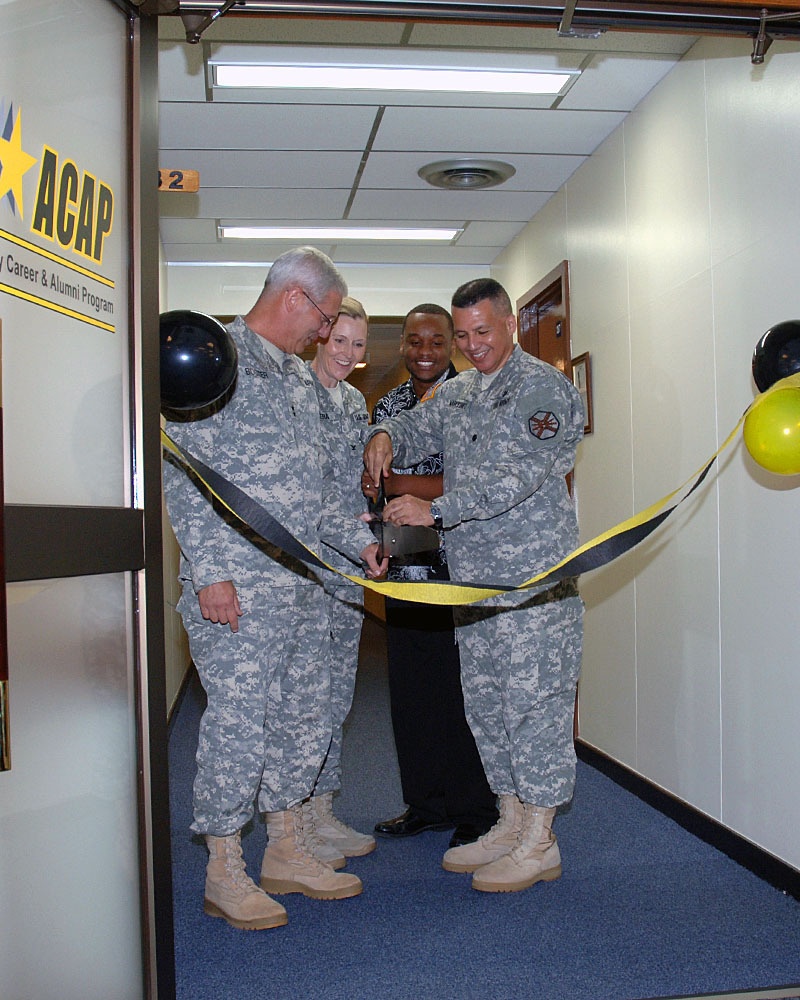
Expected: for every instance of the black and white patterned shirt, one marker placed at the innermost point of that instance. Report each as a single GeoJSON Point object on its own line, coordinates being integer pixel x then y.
{"type": "Point", "coordinates": [425, 565]}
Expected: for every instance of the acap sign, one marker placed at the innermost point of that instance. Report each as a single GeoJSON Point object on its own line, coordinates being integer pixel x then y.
{"type": "Point", "coordinates": [73, 208]}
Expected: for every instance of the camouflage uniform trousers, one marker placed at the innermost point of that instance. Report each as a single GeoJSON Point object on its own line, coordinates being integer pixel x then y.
{"type": "Point", "coordinates": [267, 726]}
{"type": "Point", "coordinates": [345, 606]}
{"type": "Point", "coordinates": [519, 670]}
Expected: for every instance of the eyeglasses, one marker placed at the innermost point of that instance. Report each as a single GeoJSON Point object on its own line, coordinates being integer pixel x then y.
{"type": "Point", "coordinates": [329, 320]}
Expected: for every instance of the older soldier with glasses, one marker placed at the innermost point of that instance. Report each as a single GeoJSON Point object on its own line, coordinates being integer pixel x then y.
{"type": "Point", "coordinates": [256, 619]}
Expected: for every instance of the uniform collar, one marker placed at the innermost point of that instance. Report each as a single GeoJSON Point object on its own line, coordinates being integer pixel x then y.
{"type": "Point", "coordinates": [261, 347]}
{"type": "Point", "coordinates": [501, 377]}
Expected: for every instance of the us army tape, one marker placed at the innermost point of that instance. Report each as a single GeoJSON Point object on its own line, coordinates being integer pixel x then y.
{"type": "Point", "coordinates": [597, 552]}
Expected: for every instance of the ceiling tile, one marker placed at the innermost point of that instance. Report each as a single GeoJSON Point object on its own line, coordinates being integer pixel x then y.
{"type": "Point", "coordinates": [260, 205]}
{"type": "Point", "coordinates": [255, 168]}
{"type": "Point", "coordinates": [434, 205]}
{"type": "Point", "coordinates": [490, 234]}
{"type": "Point", "coordinates": [181, 72]}
{"type": "Point", "coordinates": [415, 254]}
{"type": "Point", "coordinates": [256, 126]}
{"type": "Point", "coordinates": [534, 39]}
{"type": "Point", "coordinates": [542, 172]}
{"type": "Point", "coordinates": [496, 133]}
{"type": "Point", "coordinates": [616, 83]}
{"type": "Point", "coordinates": [321, 31]}
{"type": "Point", "coordinates": [190, 231]}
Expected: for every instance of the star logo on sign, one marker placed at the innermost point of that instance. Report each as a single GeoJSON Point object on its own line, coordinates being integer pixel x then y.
{"type": "Point", "coordinates": [544, 424]}
{"type": "Point", "coordinates": [14, 161]}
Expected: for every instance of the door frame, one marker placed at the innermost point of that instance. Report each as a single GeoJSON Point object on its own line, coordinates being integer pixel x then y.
{"type": "Point", "coordinates": [541, 292]}
{"type": "Point", "coordinates": [50, 542]}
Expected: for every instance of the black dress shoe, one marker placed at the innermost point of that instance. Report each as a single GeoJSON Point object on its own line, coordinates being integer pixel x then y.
{"type": "Point", "coordinates": [408, 825]}
{"type": "Point", "coordinates": [468, 833]}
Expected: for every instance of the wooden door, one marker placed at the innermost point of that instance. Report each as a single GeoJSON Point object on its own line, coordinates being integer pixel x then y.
{"type": "Point", "coordinates": [544, 319]}
{"type": "Point", "coordinates": [543, 323]}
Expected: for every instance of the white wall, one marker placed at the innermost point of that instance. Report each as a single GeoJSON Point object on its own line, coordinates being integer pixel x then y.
{"type": "Point", "coordinates": [385, 290]}
{"type": "Point", "coordinates": [682, 237]}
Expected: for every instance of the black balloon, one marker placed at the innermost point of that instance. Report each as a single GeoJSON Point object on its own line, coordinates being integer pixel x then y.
{"type": "Point", "coordinates": [777, 354]}
{"type": "Point", "coordinates": [198, 360]}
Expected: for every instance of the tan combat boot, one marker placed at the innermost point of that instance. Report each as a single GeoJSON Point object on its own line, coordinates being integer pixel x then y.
{"type": "Point", "coordinates": [500, 840]}
{"type": "Point", "coordinates": [230, 894]}
{"type": "Point", "coordinates": [321, 822]}
{"type": "Point", "coordinates": [536, 857]}
{"type": "Point", "coordinates": [290, 864]}
{"type": "Point", "coordinates": [324, 850]}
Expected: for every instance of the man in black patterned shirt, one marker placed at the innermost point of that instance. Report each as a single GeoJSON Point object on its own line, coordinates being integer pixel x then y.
{"type": "Point", "coordinates": [443, 781]}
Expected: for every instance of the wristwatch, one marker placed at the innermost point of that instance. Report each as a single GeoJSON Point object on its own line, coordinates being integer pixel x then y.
{"type": "Point", "coordinates": [436, 514]}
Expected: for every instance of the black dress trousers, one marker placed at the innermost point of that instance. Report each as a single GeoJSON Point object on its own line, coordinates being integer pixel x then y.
{"type": "Point", "coordinates": [440, 769]}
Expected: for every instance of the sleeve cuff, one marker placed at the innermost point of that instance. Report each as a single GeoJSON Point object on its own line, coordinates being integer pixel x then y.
{"type": "Point", "coordinates": [449, 510]}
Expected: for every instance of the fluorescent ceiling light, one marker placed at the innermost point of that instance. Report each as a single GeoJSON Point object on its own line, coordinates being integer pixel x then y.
{"type": "Point", "coordinates": [330, 234]}
{"type": "Point", "coordinates": [220, 263]}
{"type": "Point", "coordinates": [442, 79]}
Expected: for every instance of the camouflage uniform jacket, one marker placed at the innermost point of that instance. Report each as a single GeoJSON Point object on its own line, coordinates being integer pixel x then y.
{"type": "Point", "coordinates": [507, 449]}
{"type": "Point", "coordinates": [266, 440]}
{"type": "Point", "coordinates": [344, 433]}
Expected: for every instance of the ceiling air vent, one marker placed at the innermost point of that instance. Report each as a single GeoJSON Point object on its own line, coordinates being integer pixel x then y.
{"type": "Point", "coordinates": [463, 175]}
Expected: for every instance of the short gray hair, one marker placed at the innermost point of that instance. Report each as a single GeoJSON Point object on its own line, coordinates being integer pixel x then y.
{"type": "Point", "coordinates": [308, 267]}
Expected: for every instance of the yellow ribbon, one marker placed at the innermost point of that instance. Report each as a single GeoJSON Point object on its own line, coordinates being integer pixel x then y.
{"type": "Point", "coordinates": [454, 593]}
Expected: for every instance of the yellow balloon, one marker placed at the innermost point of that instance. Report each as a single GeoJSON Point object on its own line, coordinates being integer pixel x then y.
{"type": "Point", "coordinates": [772, 431]}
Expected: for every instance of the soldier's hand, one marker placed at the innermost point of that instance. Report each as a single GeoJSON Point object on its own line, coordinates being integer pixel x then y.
{"type": "Point", "coordinates": [378, 456]}
{"type": "Point", "coordinates": [374, 567]}
{"type": "Point", "coordinates": [219, 603]}
{"type": "Point", "coordinates": [369, 488]}
{"type": "Point", "coordinates": [408, 510]}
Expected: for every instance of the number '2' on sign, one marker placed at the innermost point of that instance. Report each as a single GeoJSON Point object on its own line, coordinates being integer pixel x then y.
{"type": "Point", "coordinates": [178, 180]}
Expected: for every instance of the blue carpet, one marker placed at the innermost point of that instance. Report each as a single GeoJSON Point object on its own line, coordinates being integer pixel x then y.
{"type": "Point", "coordinates": [644, 909]}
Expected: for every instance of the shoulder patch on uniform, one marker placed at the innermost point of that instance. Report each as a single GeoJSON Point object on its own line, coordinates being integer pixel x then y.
{"type": "Point", "coordinates": [544, 424]}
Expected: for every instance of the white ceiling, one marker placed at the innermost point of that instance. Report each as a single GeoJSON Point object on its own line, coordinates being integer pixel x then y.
{"type": "Point", "coordinates": [325, 157]}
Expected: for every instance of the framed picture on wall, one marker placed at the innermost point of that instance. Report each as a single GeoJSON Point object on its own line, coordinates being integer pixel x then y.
{"type": "Point", "coordinates": [582, 380]}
